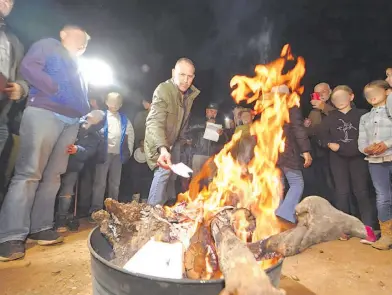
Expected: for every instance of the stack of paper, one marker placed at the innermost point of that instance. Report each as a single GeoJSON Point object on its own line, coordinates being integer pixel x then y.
{"type": "Point", "coordinates": [212, 131]}
{"type": "Point", "coordinates": [158, 259]}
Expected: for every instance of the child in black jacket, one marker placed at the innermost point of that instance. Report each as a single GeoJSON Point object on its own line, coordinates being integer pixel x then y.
{"type": "Point", "coordinates": [339, 133]}
{"type": "Point", "coordinates": [89, 143]}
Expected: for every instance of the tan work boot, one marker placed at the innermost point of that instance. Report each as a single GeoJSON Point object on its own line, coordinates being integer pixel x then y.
{"type": "Point", "coordinates": [385, 242]}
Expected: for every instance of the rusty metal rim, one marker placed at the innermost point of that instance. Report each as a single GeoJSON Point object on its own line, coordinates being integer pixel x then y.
{"type": "Point", "coordinates": [177, 281]}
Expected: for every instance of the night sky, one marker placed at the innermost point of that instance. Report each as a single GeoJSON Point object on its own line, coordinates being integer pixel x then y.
{"type": "Point", "coordinates": [342, 41]}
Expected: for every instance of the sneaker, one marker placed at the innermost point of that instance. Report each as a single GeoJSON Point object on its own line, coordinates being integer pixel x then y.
{"type": "Point", "coordinates": [12, 250]}
{"type": "Point", "coordinates": [45, 238]}
{"type": "Point", "coordinates": [61, 224]}
{"type": "Point", "coordinates": [371, 236]}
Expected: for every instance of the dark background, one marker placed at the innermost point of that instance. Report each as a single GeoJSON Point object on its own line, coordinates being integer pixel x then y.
{"type": "Point", "coordinates": [342, 41]}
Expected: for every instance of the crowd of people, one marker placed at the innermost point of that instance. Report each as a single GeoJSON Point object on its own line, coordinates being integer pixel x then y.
{"type": "Point", "coordinates": [59, 136]}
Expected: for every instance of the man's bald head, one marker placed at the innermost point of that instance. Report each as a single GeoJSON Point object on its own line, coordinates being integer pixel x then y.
{"type": "Point", "coordinates": [74, 39]}
{"type": "Point", "coordinates": [6, 7]}
{"type": "Point", "coordinates": [324, 90]}
{"type": "Point", "coordinates": [183, 74]}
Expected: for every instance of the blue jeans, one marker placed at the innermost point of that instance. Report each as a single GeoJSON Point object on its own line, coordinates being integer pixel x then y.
{"type": "Point", "coordinates": [286, 210]}
{"type": "Point", "coordinates": [29, 204]}
{"type": "Point", "coordinates": [381, 177]}
{"type": "Point", "coordinates": [163, 187]}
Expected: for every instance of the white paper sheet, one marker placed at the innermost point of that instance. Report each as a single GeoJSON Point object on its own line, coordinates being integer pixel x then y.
{"type": "Point", "coordinates": [158, 259]}
{"type": "Point", "coordinates": [181, 169]}
{"type": "Point", "coordinates": [211, 132]}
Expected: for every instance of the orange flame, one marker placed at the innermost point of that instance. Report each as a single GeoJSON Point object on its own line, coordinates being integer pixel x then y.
{"type": "Point", "coordinates": [260, 191]}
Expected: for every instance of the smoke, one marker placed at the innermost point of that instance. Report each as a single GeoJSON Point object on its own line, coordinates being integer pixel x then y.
{"type": "Point", "coordinates": [261, 43]}
{"type": "Point", "coordinates": [241, 35]}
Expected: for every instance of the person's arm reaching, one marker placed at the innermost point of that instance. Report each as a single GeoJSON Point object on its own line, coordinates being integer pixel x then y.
{"type": "Point", "coordinates": [32, 69]}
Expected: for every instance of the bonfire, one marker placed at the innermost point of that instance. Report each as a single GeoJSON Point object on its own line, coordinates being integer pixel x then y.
{"type": "Point", "coordinates": [229, 228]}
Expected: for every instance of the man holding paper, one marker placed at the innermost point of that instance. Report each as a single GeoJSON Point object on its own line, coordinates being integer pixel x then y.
{"type": "Point", "coordinates": [166, 124]}
{"type": "Point", "coordinates": [207, 137]}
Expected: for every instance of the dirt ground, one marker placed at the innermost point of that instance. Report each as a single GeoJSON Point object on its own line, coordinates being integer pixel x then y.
{"type": "Point", "coordinates": [332, 268]}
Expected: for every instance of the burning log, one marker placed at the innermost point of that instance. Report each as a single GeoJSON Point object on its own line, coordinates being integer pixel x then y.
{"type": "Point", "coordinates": [318, 222]}
{"type": "Point", "coordinates": [242, 273]}
{"type": "Point", "coordinates": [128, 227]}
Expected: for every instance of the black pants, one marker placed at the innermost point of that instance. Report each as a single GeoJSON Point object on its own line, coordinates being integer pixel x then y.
{"type": "Point", "coordinates": [351, 177]}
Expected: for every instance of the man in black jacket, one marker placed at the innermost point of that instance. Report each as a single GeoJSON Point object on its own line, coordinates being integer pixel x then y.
{"type": "Point", "coordinates": [297, 146]}
{"type": "Point", "coordinates": [202, 148]}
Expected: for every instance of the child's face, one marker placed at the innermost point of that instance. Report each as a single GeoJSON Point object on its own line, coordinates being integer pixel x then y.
{"type": "Point", "coordinates": [246, 118]}
{"type": "Point", "coordinates": [113, 104]}
{"type": "Point", "coordinates": [375, 95]}
{"type": "Point", "coordinates": [342, 99]}
{"type": "Point", "coordinates": [389, 76]}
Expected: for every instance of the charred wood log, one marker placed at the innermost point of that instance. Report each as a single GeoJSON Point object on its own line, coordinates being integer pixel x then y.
{"type": "Point", "coordinates": [318, 222]}
{"type": "Point", "coordinates": [242, 273]}
{"type": "Point", "coordinates": [128, 227]}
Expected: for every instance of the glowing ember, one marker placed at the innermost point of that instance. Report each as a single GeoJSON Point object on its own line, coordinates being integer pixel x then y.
{"type": "Point", "coordinates": [259, 189]}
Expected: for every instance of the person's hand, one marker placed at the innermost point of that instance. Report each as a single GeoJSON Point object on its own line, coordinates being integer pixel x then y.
{"type": "Point", "coordinates": [72, 149]}
{"type": "Point", "coordinates": [308, 159]}
{"type": "Point", "coordinates": [188, 141]}
{"type": "Point", "coordinates": [333, 146]}
{"type": "Point", "coordinates": [220, 131]}
{"type": "Point", "coordinates": [318, 104]}
{"type": "Point", "coordinates": [14, 91]}
{"type": "Point", "coordinates": [164, 159]}
{"type": "Point", "coordinates": [379, 148]}
{"type": "Point", "coordinates": [370, 149]}
{"type": "Point", "coordinates": [307, 122]}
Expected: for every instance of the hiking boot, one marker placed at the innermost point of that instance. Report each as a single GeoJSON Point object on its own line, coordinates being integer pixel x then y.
{"type": "Point", "coordinates": [61, 224]}
{"type": "Point", "coordinates": [12, 250]}
{"type": "Point", "coordinates": [45, 238]}
{"type": "Point", "coordinates": [385, 242]}
{"type": "Point", "coordinates": [371, 236]}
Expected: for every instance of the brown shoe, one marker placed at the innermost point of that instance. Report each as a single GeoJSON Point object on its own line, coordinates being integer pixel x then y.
{"type": "Point", "coordinates": [385, 242]}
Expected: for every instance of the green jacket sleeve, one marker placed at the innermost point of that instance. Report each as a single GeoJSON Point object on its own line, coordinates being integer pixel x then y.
{"type": "Point", "coordinates": [156, 119]}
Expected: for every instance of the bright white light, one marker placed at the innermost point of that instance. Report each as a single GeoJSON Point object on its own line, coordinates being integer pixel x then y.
{"type": "Point", "coordinates": [96, 72]}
